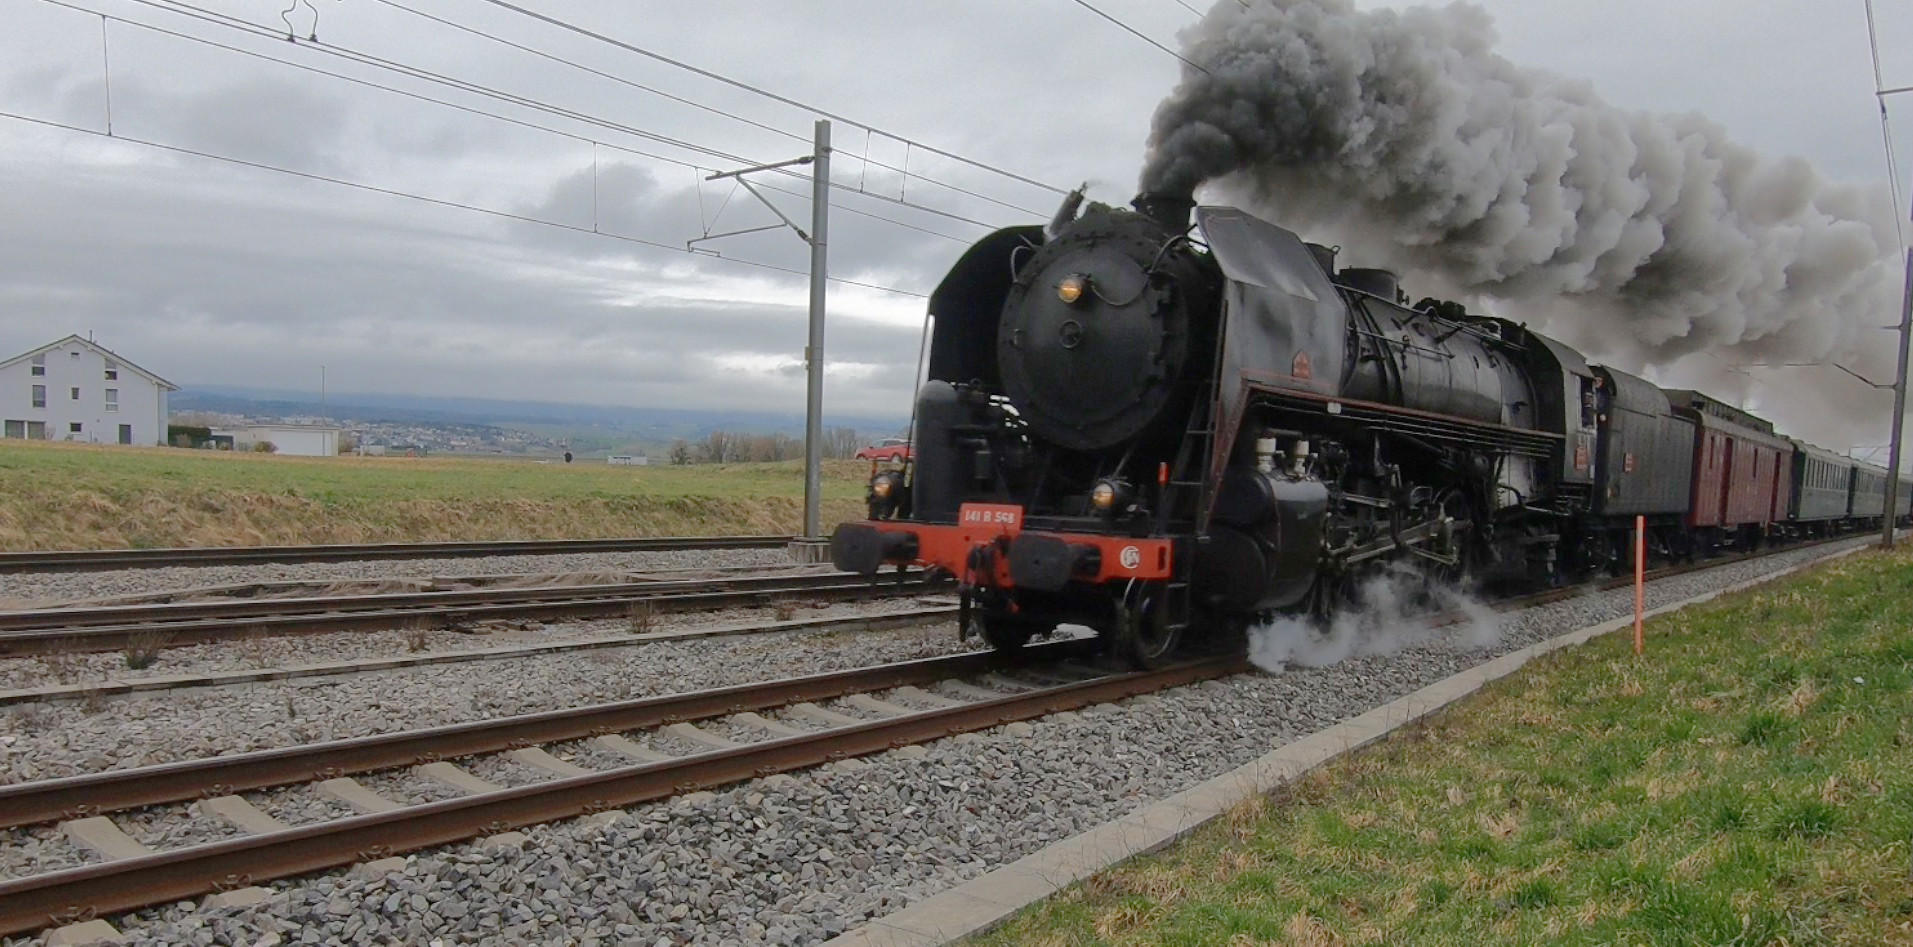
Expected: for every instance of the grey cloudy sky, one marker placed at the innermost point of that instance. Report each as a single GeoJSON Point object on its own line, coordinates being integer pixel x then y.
{"type": "Point", "coordinates": [210, 272]}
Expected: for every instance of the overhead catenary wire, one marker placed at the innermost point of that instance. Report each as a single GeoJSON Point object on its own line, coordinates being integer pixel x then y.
{"type": "Point", "coordinates": [439, 201]}
{"type": "Point", "coordinates": [178, 7]}
{"type": "Point", "coordinates": [303, 67]}
{"type": "Point", "coordinates": [553, 57]}
{"type": "Point", "coordinates": [864, 213]}
{"type": "Point", "coordinates": [1085, 4]}
{"type": "Point", "coordinates": [621, 80]}
{"type": "Point", "coordinates": [200, 13]}
{"type": "Point", "coordinates": [1886, 124]}
{"type": "Point", "coordinates": [594, 143]}
{"type": "Point", "coordinates": [745, 86]}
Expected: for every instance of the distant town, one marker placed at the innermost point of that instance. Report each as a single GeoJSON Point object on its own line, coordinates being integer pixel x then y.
{"type": "Point", "coordinates": [386, 437]}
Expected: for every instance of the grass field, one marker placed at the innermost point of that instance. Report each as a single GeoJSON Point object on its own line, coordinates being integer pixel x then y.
{"type": "Point", "coordinates": [1750, 782]}
{"type": "Point", "coordinates": [73, 496]}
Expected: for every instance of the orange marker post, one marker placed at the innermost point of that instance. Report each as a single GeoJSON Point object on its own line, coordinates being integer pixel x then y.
{"type": "Point", "coordinates": [1640, 575]}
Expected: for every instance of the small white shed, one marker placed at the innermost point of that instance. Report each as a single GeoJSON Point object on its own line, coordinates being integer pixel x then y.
{"type": "Point", "coordinates": [293, 440]}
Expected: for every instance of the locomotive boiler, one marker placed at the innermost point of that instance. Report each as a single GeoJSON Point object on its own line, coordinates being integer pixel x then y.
{"type": "Point", "coordinates": [1165, 429]}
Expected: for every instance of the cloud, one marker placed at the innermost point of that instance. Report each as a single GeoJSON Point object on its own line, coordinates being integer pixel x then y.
{"type": "Point", "coordinates": [215, 273]}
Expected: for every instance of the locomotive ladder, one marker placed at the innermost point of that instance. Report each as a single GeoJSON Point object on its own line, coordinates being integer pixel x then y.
{"type": "Point", "coordinates": [1186, 484]}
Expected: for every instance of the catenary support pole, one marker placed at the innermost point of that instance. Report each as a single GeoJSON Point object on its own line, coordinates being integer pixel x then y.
{"type": "Point", "coordinates": [1899, 412]}
{"type": "Point", "coordinates": [814, 352]}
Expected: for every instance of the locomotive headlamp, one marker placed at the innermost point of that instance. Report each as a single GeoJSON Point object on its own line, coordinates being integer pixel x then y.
{"type": "Point", "coordinates": [886, 494]}
{"type": "Point", "coordinates": [1108, 495]}
{"type": "Point", "coordinates": [1071, 288]}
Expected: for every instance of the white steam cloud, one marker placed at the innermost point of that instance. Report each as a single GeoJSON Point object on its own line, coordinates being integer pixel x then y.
{"type": "Point", "coordinates": [1648, 237]}
{"type": "Point", "coordinates": [1391, 612]}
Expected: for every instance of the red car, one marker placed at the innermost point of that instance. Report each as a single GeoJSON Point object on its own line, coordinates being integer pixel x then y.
{"type": "Point", "coordinates": [890, 448]}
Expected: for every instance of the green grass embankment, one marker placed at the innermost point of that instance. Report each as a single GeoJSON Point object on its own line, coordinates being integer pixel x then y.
{"type": "Point", "coordinates": [68, 496]}
{"type": "Point", "coordinates": [1748, 782]}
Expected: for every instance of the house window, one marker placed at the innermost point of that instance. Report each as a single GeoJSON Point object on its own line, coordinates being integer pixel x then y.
{"type": "Point", "coordinates": [76, 393]}
{"type": "Point", "coordinates": [39, 396]}
{"type": "Point", "coordinates": [112, 370]}
{"type": "Point", "coordinates": [112, 399]}
{"type": "Point", "coordinates": [76, 355]}
{"type": "Point", "coordinates": [16, 429]}
{"type": "Point", "coordinates": [74, 427]}
{"type": "Point", "coordinates": [36, 430]}
{"type": "Point", "coordinates": [39, 365]}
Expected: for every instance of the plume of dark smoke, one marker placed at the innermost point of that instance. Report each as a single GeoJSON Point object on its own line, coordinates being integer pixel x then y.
{"type": "Point", "coordinates": [1644, 237]}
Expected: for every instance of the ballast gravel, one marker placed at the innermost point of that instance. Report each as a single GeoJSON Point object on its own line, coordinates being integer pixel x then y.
{"type": "Point", "coordinates": [163, 827]}
{"type": "Point", "coordinates": [49, 739]}
{"type": "Point", "coordinates": [264, 652]}
{"type": "Point", "coordinates": [27, 589]}
{"type": "Point", "coordinates": [39, 849]}
{"type": "Point", "coordinates": [798, 859]}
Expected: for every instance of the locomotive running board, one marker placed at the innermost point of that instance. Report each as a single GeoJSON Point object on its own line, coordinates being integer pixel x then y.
{"type": "Point", "coordinates": [1408, 421]}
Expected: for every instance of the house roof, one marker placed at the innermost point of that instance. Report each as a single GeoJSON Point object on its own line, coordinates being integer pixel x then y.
{"type": "Point", "coordinates": [95, 346]}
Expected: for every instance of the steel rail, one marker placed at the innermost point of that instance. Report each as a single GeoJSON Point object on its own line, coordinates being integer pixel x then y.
{"type": "Point", "coordinates": [34, 902]}
{"type": "Point", "coordinates": [30, 619]}
{"type": "Point", "coordinates": [89, 560]}
{"type": "Point", "coordinates": [47, 631]}
{"type": "Point", "coordinates": [116, 790]}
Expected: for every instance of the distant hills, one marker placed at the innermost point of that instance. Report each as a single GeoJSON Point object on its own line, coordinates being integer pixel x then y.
{"type": "Point", "coordinates": [657, 426]}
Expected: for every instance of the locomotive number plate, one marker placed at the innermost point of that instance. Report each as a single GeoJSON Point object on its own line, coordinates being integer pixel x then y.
{"type": "Point", "coordinates": [1004, 517]}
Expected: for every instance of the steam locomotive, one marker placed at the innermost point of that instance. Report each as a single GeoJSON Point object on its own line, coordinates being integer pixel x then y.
{"type": "Point", "coordinates": [1167, 432]}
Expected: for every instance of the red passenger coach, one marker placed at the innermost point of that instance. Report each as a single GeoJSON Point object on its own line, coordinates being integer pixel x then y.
{"type": "Point", "coordinates": [1742, 471]}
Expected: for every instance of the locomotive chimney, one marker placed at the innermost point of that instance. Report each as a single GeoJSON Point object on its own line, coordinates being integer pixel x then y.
{"type": "Point", "coordinates": [1170, 210]}
{"type": "Point", "coordinates": [1072, 203]}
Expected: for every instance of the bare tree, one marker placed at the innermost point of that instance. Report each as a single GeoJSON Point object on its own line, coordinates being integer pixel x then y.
{"type": "Point", "coordinates": [719, 447]}
{"type": "Point", "coordinates": [840, 443]}
{"type": "Point", "coordinates": [763, 448]}
{"type": "Point", "coordinates": [680, 452]}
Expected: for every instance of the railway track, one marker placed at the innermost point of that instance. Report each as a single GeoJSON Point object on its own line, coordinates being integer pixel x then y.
{"type": "Point", "coordinates": [911, 714]}
{"type": "Point", "coordinates": [172, 624]}
{"type": "Point", "coordinates": [922, 701]}
{"type": "Point", "coordinates": [93, 560]}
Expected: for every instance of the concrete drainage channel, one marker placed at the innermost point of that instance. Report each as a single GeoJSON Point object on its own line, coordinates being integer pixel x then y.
{"type": "Point", "coordinates": [801, 858]}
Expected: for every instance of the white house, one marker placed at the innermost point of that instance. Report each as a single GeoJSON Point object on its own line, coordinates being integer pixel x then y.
{"type": "Point", "coordinates": [295, 440]}
{"type": "Point", "coordinates": [76, 390]}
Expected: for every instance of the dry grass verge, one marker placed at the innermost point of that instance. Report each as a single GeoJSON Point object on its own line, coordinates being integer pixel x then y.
{"type": "Point", "coordinates": [1748, 783]}
{"type": "Point", "coordinates": [72, 496]}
